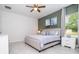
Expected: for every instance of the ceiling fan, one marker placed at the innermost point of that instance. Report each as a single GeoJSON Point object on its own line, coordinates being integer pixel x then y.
{"type": "Point", "coordinates": [36, 7]}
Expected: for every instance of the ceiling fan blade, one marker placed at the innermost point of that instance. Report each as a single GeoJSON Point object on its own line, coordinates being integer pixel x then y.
{"type": "Point", "coordinates": [30, 6]}
{"type": "Point", "coordinates": [32, 10]}
{"type": "Point", "coordinates": [41, 6]}
{"type": "Point", "coordinates": [38, 10]}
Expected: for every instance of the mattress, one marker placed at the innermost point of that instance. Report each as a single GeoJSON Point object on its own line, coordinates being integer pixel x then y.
{"type": "Point", "coordinates": [39, 41]}
{"type": "Point", "coordinates": [44, 38]}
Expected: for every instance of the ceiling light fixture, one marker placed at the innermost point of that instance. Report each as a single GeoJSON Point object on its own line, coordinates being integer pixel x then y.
{"type": "Point", "coordinates": [36, 7]}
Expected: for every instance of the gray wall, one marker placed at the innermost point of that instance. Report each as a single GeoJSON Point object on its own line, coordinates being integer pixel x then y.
{"type": "Point", "coordinates": [41, 21]}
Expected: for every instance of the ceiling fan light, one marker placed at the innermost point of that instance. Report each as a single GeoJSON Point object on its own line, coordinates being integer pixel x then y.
{"type": "Point", "coordinates": [35, 9]}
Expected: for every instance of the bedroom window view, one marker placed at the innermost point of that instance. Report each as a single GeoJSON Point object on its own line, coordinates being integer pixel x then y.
{"type": "Point", "coordinates": [71, 24]}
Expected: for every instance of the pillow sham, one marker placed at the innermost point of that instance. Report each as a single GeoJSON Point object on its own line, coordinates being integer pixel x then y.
{"type": "Point", "coordinates": [53, 33]}
{"type": "Point", "coordinates": [43, 33]}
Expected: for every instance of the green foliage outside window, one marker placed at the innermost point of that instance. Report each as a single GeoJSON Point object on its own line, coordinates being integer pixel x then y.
{"type": "Point", "coordinates": [72, 23]}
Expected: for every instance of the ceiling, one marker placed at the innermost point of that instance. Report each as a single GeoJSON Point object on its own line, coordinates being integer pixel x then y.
{"type": "Point", "coordinates": [21, 9]}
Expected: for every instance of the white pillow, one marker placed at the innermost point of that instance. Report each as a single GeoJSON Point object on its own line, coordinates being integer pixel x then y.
{"type": "Point", "coordinates": [43, 33]}
{"type": "Point", "coordinates": [53, 33]}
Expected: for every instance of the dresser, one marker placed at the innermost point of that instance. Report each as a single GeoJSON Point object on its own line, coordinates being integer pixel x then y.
{"type": "Point", "coordinates": [3, 44]}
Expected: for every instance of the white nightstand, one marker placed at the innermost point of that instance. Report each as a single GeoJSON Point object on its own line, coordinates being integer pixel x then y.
{"type": "Point", "coordinates": [68, 41]}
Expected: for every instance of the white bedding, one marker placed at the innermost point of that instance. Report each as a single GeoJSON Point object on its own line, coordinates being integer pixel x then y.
{"type": "Point", "coordinates": [44, 38]}
{"type": "Point", "coordinates": [38, 41]}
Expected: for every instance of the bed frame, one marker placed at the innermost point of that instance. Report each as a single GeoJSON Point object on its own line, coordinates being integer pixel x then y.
{"type": "Point", "coordinates": [45, 45]}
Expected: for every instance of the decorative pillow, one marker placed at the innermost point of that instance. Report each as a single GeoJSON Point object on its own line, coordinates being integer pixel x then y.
{"type": "Point", "coordinates": [66, 35]}
{"type": "Point", "coordinates": [57, 33]}
{"type": "Point", "coordinates": [50, 32]}
{"type": "Point", "coordinates": [43, 33]}
{"type": "Point", "coordinates": [53, 33]}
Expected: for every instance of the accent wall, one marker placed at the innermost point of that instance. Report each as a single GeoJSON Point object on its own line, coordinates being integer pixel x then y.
{"type": "Point", "coordinates": [41, 21]}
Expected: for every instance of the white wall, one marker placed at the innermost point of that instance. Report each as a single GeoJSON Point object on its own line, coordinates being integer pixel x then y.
{"type": "Point", "coordinates": [18, 26]}
{"type": "Point", "coordinates": [0, 21]}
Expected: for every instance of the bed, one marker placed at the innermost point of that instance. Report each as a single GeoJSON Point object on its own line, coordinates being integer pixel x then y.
{"type": "Point", "coordinates": [43, 42]}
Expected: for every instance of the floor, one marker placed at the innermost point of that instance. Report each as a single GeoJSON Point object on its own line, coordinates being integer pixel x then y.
{"type": "Point", "coordinates": [21, 48]}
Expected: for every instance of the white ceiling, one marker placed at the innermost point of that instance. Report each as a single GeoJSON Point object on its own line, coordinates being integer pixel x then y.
{"type": "Point", "coordinates": [21, 9]}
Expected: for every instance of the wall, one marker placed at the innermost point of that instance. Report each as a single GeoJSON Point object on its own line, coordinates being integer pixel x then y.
{"type": "Point", "coordinates": [41, 21]}
{"type": "Point", "coordinates": [63, 21]}
{"type": "Point", "coordinates": [0, 21]}
{"type": "Point", "coordinates": [18, 26]}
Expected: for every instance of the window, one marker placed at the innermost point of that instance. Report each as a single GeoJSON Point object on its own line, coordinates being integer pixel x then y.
{"type": "Point", "coordinates": [47, 22]}
{"type": "Point", "coordinates": [71, 18]}
{"type": "Point", "coordinates": [54, 21]}
{"type": "Point", "coordinates": [51, 23]}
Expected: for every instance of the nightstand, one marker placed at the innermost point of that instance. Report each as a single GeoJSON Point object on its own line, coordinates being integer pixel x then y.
{"type": "Point", "coordinates": [69, 41]}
